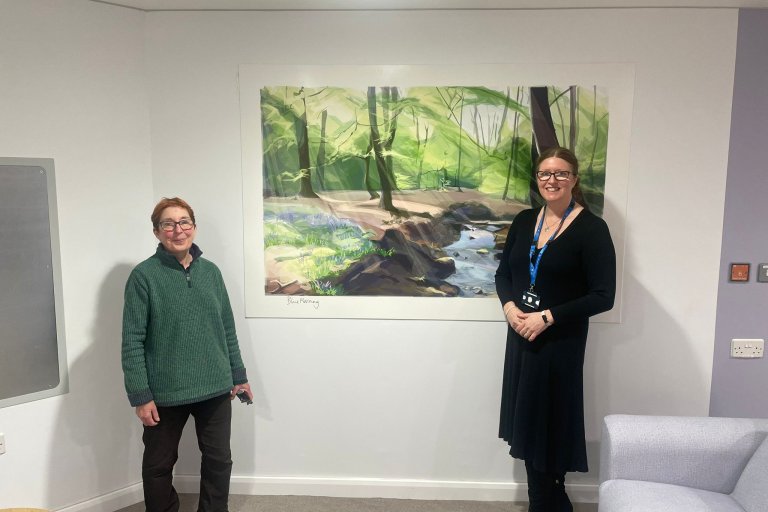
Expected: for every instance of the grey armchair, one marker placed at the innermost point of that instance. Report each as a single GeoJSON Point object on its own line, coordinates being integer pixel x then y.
{"type": "Point", "coordinates": [676, 464]}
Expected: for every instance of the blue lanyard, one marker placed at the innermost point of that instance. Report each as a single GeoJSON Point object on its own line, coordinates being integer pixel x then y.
{"type": "Point", "coordinates": [534, 268]}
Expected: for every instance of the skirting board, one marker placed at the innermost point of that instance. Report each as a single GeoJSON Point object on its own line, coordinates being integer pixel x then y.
{"type": "Point", "coordinates": [109, 502]}
{"type": "Point", "coordinates": [341, 488]}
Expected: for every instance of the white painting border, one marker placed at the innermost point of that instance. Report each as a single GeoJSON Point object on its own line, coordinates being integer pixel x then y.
{"type": "Point", "coordinates": [618, 79]}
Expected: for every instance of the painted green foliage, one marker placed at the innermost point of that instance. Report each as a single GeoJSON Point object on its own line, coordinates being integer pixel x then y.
{"type": "Point", "coordinates": [388, 146]}
{"type": "Point", "coordinates": [319, 139]}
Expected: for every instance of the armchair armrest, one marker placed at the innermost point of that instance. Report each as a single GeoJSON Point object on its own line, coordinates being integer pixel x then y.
{"type": "Point", "coordinates": [700, 452]}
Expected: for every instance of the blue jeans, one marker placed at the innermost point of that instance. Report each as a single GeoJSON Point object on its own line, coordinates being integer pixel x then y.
{"type": "Point", "coordinates": [213, 422]}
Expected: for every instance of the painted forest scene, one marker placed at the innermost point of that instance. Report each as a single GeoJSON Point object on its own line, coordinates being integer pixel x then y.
{"type": "Point", "coordinates": [390, 191]}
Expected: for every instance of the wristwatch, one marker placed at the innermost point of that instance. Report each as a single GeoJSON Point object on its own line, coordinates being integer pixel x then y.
{"type": "Point", "coordinates": [544, 317]}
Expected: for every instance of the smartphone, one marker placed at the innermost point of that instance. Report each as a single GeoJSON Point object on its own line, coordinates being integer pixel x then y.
{"type": "Point", "coordinates": [243, 396]}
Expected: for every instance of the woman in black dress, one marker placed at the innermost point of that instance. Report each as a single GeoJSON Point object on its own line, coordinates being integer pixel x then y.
{"type": "Point", "coordinates": [558, 268]}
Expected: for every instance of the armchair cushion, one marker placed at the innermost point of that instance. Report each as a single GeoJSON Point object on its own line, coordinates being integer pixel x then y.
{"type": "Point", "coordinates": [639, 496]}
{"type": "Point", "coordinates": [752, 488]}
{"type": "Point", "coordinates": [681, 464]}
{"type": "Point", "coordinates": [699, 452]}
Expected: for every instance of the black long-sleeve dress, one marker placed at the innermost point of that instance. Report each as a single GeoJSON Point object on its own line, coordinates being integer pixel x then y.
{"type": "Point", "coordinates": [542, 400]}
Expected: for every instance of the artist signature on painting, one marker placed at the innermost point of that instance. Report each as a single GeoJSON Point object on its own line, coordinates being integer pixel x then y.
{"type": "Point", "coordinates": [303, 300]}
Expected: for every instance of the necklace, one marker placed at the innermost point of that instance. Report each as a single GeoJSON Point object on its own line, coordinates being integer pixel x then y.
{"type": "Point", "coordinates": [548, 226]}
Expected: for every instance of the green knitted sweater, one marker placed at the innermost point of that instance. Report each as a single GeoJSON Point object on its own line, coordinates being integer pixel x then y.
{"type": "Point", "coordinates": [179, 340]}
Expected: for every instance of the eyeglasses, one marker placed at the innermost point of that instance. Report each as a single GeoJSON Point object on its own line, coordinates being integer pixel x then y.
{"type": "Point", "coordinates": [169, 225]}
{"type": "Point", "coordinates": [559, 175]}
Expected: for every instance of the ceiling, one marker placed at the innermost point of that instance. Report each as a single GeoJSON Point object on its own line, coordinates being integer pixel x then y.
{"type": "Point", "coordinates": [302, 5]}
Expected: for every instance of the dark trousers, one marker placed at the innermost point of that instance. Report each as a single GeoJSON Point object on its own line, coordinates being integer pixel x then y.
{"type": "Point", "coordinates": [213, 421]}
{"type": "Point", "coordinates": [546, 491]}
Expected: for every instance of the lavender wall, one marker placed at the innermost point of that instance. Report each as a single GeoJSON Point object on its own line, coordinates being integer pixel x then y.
{"type": "Point", "coordinates": [739, 385]}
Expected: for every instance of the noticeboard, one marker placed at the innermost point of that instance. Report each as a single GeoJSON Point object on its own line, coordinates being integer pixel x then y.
{"type": "Point", "coordinates": [32, 349]}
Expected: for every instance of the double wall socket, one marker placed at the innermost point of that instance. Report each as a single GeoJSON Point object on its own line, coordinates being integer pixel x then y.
{"type": "Point", "coordinates": [747, 348]}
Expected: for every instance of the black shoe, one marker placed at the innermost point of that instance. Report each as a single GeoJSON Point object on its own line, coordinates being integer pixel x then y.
{"type": "Point", "coordinates": [540, 496]}
{"type": "Point", "coordinates": [561, 503]}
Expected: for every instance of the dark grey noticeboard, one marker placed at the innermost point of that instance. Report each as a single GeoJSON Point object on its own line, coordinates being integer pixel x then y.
{"type": "Point", "coordinates": [32, 352]}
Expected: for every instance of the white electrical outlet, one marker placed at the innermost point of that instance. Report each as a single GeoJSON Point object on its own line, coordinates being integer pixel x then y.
{"type": "Point", "coordinates": [2, 444]}
{"type": "Point", "coordinates": [747, 348]}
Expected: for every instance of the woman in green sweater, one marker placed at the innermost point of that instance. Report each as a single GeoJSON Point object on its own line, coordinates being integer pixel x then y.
{"type": "Point", "coordinates": [181, 357]}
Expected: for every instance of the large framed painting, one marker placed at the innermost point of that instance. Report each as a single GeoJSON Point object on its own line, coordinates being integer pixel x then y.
{"type": "Point", "coordinates": [387, 191]}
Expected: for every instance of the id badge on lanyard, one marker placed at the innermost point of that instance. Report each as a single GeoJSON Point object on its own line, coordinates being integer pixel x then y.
{"type": "Point", "coordinates": [530, 298]}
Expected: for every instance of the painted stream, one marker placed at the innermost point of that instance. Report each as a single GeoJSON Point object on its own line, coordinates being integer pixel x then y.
{"type": "Point", "coordinates": [474, 254]}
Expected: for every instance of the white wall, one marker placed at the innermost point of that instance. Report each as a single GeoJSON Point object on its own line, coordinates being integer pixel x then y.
{"type": "Point", "coordinates": [410, 405]}
{"type": "Point", "coordinates": [346, 400]}
{"type": "Point", "coordinates": [72, 89]}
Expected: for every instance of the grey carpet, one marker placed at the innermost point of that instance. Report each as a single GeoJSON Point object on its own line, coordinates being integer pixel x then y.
{"type": "Point", "coordinates": [242, 503]}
